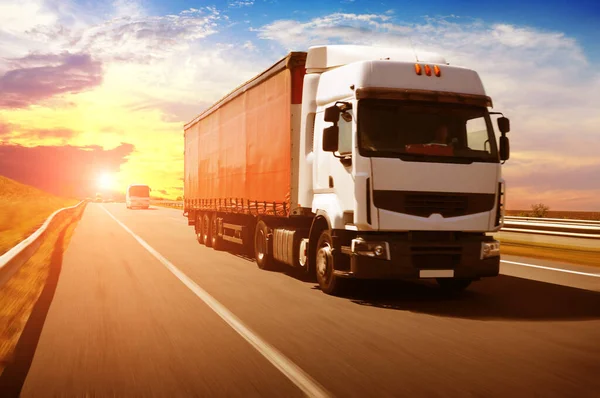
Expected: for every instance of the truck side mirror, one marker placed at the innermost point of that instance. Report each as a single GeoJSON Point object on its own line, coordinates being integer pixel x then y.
{"type": "Point", "coordinates": [330, 138]}
{"type": "Point", "coordinates": [504, 148]}
{"type": "Point", "coordinates": [504, 125]}
{"type": "Point", "coordinates": [332, 114]}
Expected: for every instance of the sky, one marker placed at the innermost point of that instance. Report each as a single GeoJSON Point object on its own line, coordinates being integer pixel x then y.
{"type": "Point", "coordinates": [94, 95]}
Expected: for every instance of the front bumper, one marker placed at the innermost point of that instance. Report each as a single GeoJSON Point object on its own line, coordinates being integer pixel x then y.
{"type": "Point", "coordinates": [406, 257]}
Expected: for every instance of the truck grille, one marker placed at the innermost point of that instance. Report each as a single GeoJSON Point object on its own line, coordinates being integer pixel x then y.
{"type": "Point", "coordinates": [424, 204]}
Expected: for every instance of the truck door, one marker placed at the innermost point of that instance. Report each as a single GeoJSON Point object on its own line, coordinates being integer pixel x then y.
{"type": "Point", "coordinates": [332, 175]}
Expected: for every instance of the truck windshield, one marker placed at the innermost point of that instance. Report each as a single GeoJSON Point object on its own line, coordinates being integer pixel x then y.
{"type": "Point", "coordinates": [142, 191]}
{"type": "Point", "coordinates": [426, 131]}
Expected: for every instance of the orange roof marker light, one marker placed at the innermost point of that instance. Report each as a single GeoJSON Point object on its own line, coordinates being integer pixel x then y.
{"type": "Point", "coordinates": [418, 69]}
{"type": "Point", "coordinates": [437, 71]}
{"type": "Point", "coordinates": [428, 70]}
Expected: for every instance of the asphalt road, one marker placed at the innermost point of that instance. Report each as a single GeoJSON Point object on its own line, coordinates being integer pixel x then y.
{"type": "Point", "coordinates": [130, 320]}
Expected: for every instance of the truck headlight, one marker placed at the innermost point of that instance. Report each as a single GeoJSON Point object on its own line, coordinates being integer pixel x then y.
{"type": "Point", "coordinates": [490, 249]}
{"type": "Point", "coordinates": [362, 247]}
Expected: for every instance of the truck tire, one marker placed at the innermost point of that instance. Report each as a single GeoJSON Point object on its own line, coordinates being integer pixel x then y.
{"type": "Point", "coordinates": [324, 266]}
{"type": "Point", "coordinates": [206, 229]}
{"type": "Point", "coordinates": [264, 259]}
{"type": "Point", "coordinates": [453, 286]}
{"type": "Point", "coordinates": [217, 241]}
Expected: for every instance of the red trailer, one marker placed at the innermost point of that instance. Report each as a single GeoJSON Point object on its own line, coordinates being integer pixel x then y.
{"type": "Point", "coordinates": [238, 152]}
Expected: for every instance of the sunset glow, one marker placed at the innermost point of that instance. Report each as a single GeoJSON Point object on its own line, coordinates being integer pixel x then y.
{"type": "Point", "coordinates": [106, 181]}
{"type": "Point", "coordinates": [105, 89]}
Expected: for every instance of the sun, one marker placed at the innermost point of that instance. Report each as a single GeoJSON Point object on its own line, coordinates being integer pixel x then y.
{"type": "Point", "coordinates": [106, 181]}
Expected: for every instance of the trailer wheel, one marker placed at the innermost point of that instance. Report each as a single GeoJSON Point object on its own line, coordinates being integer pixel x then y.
{"type": "Point", "coordinates": [453, 286]}
{"type": "Point", "coordinates": [199, 230]}
{"type": "Point", "coordinates": [206, 230]}
{"type": "Point", "coordinates": [263, 259]}
{"type": "Point", "coordinates": [324, 265]}
{"type": "Point", "coordinates": [217, 241]}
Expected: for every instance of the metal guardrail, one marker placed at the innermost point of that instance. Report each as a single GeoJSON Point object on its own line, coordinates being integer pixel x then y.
{"type": "Point", "coordinates": [553, 226]}
{"type": "Point", "coordinates": [553, 220]}
{"type": "Point", "coordinates": [168, 203]}
{"type": "Point", "coordinates": [13, 259]}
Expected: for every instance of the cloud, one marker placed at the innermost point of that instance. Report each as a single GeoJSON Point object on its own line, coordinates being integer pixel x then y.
{"type": "Point", "coordinates": [128, 8]}
{"type": "Point", "coordinates": [42, 76]}
{"type": "Point", "coordinates": [334, 28]}
{"type": "Point", "coordinates": [172, 111]}
{"type": "Point", "coordinates": [10, 132]}
{"type": "Point", "coordinates": [140, 38]}
{"type": "Point", "coordinates": [542, 80]}
{"type": "Point", "coordinates": [522, 197]}
{"type": "Point", "coordinates": [241, 3]}
{"type": "Point", "coordinates": [158, 62]}
{"type": "Point", "coordinates": [25, 15]}
{"type": "Point", "coordinates": [121, 31]}
{"type": "Point", "coordinates": [248, 45]}
{"type": "Point", "coordinates": [5, 129]}
{"type": "Point", "coordinates": [61, 170]}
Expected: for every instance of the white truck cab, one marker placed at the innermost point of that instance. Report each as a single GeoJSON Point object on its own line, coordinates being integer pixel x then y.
{"type": "Point", "coordinates": [390, 189]}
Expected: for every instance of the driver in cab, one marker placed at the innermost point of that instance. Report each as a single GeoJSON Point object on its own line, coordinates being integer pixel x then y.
{"type": "Point", "coordinates": [437, 147]}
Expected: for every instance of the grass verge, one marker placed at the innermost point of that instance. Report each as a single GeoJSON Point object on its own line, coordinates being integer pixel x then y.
{"type": "Point", "coordinates": [543, 251]}
{"type": "Point", "coordinates": [20, 294]}
{"type": "Point", "coordinates": [24, 210]}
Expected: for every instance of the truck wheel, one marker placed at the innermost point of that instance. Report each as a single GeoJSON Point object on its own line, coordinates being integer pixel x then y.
{"type": "Point", "coordinates": [263, 258]}
{"type": "Point", "coordinates": [328, 282]}
{"type": "Point", "coordinates": [217, 241]}
{"type": "Point", "coordinates": [199, 230]}
{"type": "Point", "coordinates": [449, 285]}
{"type": "Point", "coordinates": [206, 229]}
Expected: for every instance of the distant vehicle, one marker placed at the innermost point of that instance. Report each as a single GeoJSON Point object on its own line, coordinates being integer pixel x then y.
{"type": "Point", "coordinates": [137, 196]}
{"type": "Point", "coordinates": [98, 198]}
{"type": "Point", "coordinates": [353, 162]}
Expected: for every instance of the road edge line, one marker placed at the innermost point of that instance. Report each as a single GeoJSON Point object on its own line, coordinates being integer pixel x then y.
{"type": "Point", "coordinates": [551, 268]}
{"type": "Point", "coordinates": [292, 371]}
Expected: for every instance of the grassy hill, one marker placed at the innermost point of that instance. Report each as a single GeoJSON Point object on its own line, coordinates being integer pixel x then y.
{"type": "Point", "coordinates": [23, 209]}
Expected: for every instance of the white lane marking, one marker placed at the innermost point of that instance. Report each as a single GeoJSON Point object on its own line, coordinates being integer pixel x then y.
{"type": "Point", "coordinates": [551, 269]}
{"type": "Point", "coordinates": [300, 378]}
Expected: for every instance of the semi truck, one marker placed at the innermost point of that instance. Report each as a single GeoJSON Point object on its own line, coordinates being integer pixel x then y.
{"type": "Point", "coordinates": [353, 162]}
